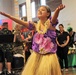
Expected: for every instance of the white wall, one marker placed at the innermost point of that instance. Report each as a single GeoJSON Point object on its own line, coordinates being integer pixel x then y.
{"type": "Point", "coordinates": [6, 6]}
{"type": "Point", "coordinates": [68, 15]}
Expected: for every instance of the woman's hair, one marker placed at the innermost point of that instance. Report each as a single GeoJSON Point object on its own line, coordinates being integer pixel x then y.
{"type": "Point", "coordinates": [61, 25]}
{"type": "Point", "coordinates": [48, 10]}
{"type": "Point", "coordinates": [17, 27]}
{"type": "Point", "coordinates": [5, 24]}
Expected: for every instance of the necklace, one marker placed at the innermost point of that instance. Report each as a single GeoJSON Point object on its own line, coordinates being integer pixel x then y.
{"type": "Point", "coordinates": [45, 27]}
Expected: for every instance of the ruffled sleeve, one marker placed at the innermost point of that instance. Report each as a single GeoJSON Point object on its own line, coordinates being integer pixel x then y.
{"type": "Point", "coordinates": [31, 27]}
{"type": "Point", "coordinates": [55, 23]}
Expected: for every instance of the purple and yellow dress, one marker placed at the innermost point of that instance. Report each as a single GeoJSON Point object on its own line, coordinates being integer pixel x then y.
{"type": "Point", "coordinates": [43, 60]}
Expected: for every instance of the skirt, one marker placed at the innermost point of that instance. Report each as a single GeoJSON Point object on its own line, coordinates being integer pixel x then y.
{"type": "Point", "coordinates": [38, 64]}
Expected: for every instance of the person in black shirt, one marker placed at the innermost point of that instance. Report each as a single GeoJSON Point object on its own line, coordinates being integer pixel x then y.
{"type": "Point", "coordinates": [62, 50]}
{"type": "Point", "coordinates": [5, 50]}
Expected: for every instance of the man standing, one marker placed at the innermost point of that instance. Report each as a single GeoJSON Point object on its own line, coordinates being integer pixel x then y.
{"type": "Point", "coordinates": [5, 50]}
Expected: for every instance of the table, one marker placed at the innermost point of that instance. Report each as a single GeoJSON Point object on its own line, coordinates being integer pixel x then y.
{"type": "Point", "coordinates": [72, 59]}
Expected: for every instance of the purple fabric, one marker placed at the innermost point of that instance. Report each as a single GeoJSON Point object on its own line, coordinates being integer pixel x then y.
{"type": "Point", "coordinates": [55, 23]}
{"type": "Point", "coordinates": [51, 34]}
{"type": "Point", "coordinates": [30, 26]}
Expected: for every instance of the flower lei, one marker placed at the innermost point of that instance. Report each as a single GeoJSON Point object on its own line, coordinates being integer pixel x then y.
{"type": "Point", "coordinates": [45, 28]}
{"type": "Point", "coordinates": [45, 44]}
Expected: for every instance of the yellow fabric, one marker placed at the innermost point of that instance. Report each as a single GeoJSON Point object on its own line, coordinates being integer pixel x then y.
{"type": "Point", "coordinates": [42, 65]}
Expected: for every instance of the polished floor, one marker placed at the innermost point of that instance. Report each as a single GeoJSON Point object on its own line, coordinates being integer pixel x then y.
{"type": "Point", "coordinates": [71, 71]}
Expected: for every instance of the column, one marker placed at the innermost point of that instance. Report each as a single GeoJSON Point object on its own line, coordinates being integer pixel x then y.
{"type": "Point", "coordinates": [29, 14]}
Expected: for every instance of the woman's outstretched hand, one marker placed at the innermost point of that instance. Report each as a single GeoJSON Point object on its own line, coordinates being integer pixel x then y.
{"type": "Point", "coordinates": [60, 7]}
{"type": "Point", "coordinates": [4, 14]}
{"type": "Point", "coordinates": [1, 12]}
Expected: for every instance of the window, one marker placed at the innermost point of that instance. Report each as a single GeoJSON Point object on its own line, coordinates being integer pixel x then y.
{"type": "Point", "coordinates": [34, 6]}
{"type": "Point", "coordinates": [43, 2]}
{"type": "Point", "coordinates": [22, 10]}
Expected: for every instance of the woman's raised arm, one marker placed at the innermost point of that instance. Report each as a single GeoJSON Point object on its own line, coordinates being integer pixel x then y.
{"type": "Point", "coordinates": [25, 23]}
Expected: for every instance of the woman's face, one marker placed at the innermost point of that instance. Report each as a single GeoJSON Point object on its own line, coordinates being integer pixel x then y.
{"type": "Point", "coordinates": [42, 13]}
{"type": "Point", "coordinates": [61, 28]}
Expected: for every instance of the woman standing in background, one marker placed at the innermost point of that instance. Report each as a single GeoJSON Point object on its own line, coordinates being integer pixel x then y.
{"type": "Point", "coordinates": [62, 50]}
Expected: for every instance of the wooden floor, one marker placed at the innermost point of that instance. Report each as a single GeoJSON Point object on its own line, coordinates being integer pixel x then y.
{"type": "Point", "coordinates": [72, 71]}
